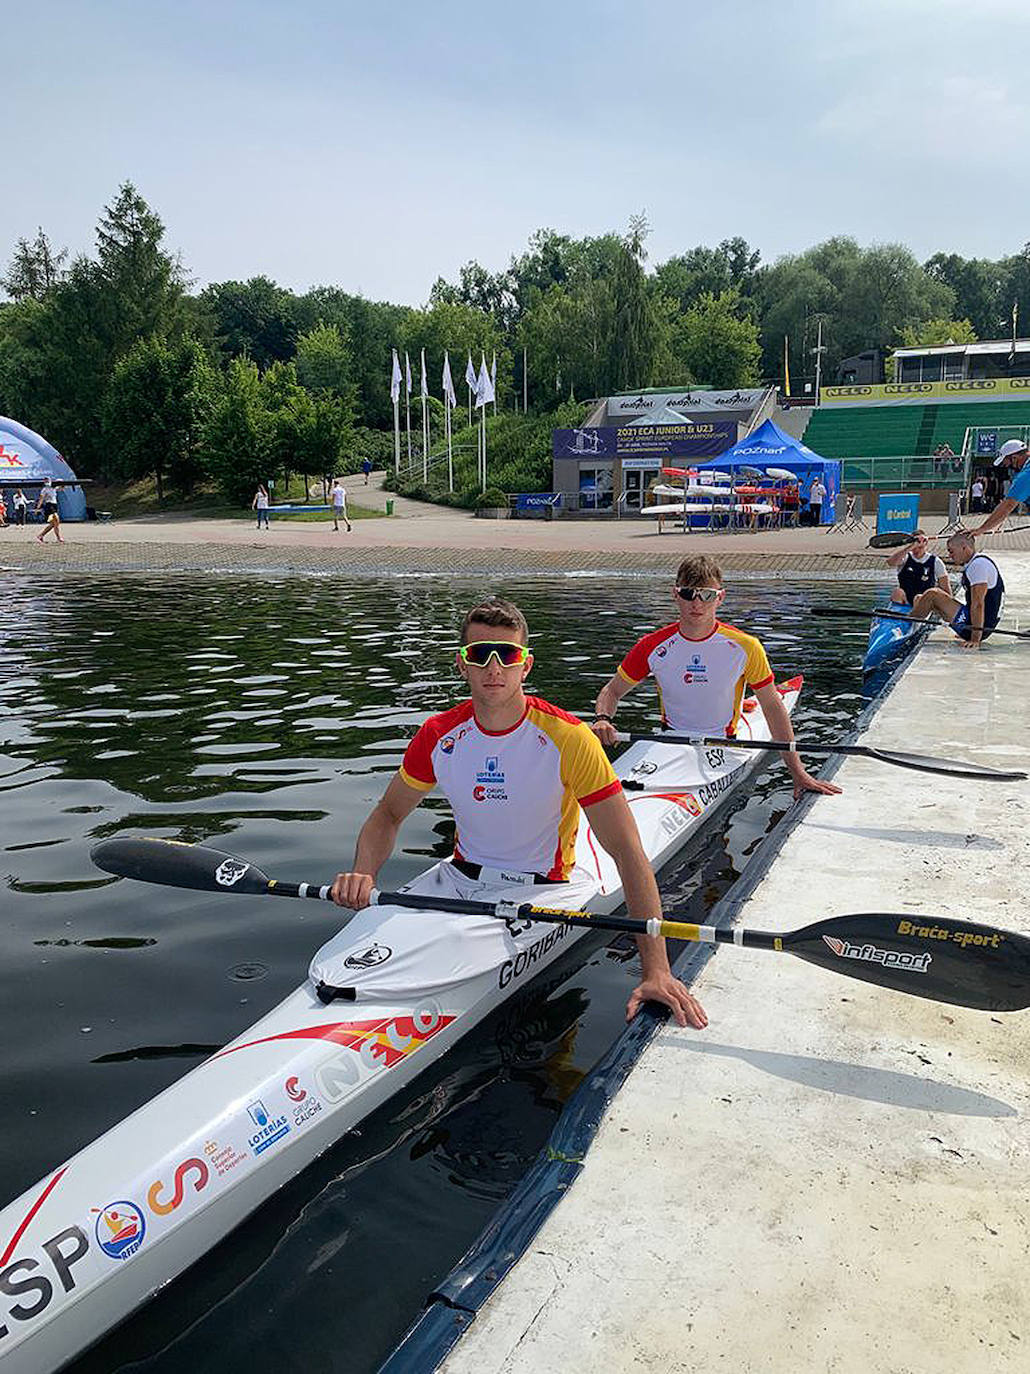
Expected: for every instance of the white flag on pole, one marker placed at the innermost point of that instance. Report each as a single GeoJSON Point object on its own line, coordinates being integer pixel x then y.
{"type": "Point", "coordinates": [395, 379]}
{"type": "Point", "coordinates": [470, 374]}
{"type": "Point", "coordinates": [407, 374]}
{"type": "Point", "coordinates": [448, 382]}
{"type": "Point", "coordinates": [493, 377]}
{"type": "Point", "coordinates": [425, 389]}
{"type": "Point", "coordinates": [484, 390]}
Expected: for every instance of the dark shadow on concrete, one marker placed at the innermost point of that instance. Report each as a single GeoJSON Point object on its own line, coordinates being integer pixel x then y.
{"type": "Point", "coordinates": [930, 839]}
{"type": "Point", "coordinates": [855, 1080]}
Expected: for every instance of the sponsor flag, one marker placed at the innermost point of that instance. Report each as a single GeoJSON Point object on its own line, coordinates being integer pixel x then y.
{"type": "Point", "coordinates": [493, 376]}
{"type": "Point", "coordinates": [395, 380]}
{"type": "Point", "coordinates": [448, 382]}
{"type": "Point", "coordinates": [425, 389]}
{"type": "Point", "coordinates": [786, 367]}
{"type": "Point", "coordinates": [470, 374]}
{"type": "Point", "coordinates": [1015, 319]}
{"type": "Point", "coordinates": [407, 374]}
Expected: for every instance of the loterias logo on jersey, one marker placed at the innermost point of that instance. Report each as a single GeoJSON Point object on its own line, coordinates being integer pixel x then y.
{"type": "Point", "coordinates": [490, 782]}
{"type": "Point", "coordinates": [698, 671]}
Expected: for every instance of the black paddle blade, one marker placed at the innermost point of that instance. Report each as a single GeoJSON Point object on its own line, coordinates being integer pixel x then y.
{"type": "Point", "coordinates": [179, 865]}
{"type": "Point", "coordinates": [947, 961]}
{"type": "Point", "coordinates": [893, 539]}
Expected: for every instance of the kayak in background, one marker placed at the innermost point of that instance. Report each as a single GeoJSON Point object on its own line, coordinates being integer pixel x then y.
{"type": "Point", "coordinates": [891, 638]}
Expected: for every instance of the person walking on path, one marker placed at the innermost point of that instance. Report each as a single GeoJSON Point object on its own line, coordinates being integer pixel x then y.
{"type": "Point", "coordinates": [984, 591]}
{"type": "Point", "coordinates": [21, 506]}
{"type": "Point", "coordinates": [339, 503]}
{"type": "Point", "coordinates": [366, 468]}
{"type": "Point", "coordinates": [260, 504]}
{"type": "Point", "coordinates": [516, 771]}
{"type": "Point", "coordinates": [47, 503]}
{"type": "Point", "coordinates": [701, 667]}
{"type": "Point", "coordinates": [918, 570]}
{"type": "Point", "coordinates": [3, 512]}
{"type": "Point", "coordinates": [1012, 456]}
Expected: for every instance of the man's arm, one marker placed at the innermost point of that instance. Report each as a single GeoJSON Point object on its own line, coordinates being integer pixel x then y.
{"type": "Point", "coordinates": [1004, 508]}
{"type": "Point", "coordinates": [781, 729]}
{"type": "Point", "coordinates": [608, 699]}
{"type": "Point", "coordinates": [899, 555]}
{"type": "Point", "coordinates": [977, 603]}
{"type": "Point", "coordinates": [375, 843]}
{"type": "Point", "coordinates": [615, 827]}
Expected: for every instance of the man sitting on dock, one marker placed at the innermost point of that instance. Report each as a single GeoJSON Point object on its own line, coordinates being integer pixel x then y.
{"type": "Point", "coordinates": [984, 591]}
{"type": "Point", "coordinates": [918, 570]}
{"type": "Point", "coordinates": [515, 771]}
{"type": "Point", "coordinates": [702, 667]}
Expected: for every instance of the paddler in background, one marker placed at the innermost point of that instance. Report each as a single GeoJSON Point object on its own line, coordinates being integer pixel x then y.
{"type": "Point", "coordinates": [918, 570]}
{"type": "Point", "coordinates": [701, 667]}
{"type": "Point", "coordinates": [515, 771]}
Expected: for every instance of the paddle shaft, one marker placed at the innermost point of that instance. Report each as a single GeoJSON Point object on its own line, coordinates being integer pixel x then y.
{"type": "Point", "coordinates": [919, 763]}
{"type": "Point", "coordinates": [846, 613]}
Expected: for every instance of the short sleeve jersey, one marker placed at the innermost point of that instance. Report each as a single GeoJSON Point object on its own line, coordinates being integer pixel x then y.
{"type": "Point", "coordinates": [983, 571]}
{"type": "Point", "coordinates": [515, 795]}
{"type": "Point", "coordinates": [1020, 488]}
{"type": "Point", "coordinates": [700, 681]}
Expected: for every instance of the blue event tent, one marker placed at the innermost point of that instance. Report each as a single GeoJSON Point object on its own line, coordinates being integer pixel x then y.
{"type": "Point", "coordinates": [26, 460]}
{"type": "Point", "coordinates": [768, 447]}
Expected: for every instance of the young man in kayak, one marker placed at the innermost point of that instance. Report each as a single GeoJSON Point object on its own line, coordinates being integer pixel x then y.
{"type": "Point", "coordinates": [984, 591]}
{"type": "Point", "coordinates": [702, 667]}
{"type": "Point", "coordinates": [516, 771]}
{"type": "Point", "coordinates": [918, 570]}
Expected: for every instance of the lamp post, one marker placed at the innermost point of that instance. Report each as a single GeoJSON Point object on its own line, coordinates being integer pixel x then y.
{"type": "Point", "coordinates": [819, 350]}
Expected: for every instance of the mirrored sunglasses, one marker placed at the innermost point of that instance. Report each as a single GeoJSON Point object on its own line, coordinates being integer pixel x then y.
{"type": "Point", "coordinates": [480, 653]}
{"type": "Point", "coordinates": [697, 593]}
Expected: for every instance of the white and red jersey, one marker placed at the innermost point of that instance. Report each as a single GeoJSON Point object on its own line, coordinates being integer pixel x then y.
{"type": "Point", "coordinates": [700, 681]}
{"type": "Point", "coordinates": [515, 795]}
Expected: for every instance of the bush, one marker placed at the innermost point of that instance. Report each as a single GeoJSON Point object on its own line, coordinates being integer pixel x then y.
{"type": "Point", "coordinates": [491, 499]}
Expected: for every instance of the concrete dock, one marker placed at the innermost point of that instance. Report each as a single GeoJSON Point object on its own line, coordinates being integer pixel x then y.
{"type": "Point", "coordinates": [832, 1177]}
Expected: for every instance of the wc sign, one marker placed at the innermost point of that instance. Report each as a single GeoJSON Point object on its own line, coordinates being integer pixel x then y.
{"type": "Point", "coordinates": [899, 511]}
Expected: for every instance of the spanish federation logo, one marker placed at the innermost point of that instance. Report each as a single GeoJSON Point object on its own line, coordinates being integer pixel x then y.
{"type": "Point", "coordinates": [368, 958]}
{"type": "Point", "coordinates": [871, 954]}
{"type": "Point", "coordinates": [230, 871]}
{"type": "Point", "coordinates": [120, 1229]}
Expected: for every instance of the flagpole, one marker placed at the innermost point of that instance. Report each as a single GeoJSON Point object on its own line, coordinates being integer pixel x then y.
{"type": "Point", "coordinates": [396, 436]}
{"type": "Point", "coordinates": [407, 408]}
{"type": "Point", "coordinates": [425, 442]}
{"type": "Point", "coordinates": [525, 381]}
{"type": "Point", "coordinates": [450, 458]}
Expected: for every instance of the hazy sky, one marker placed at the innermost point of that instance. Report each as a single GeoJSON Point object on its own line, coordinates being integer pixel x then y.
{"type": "Point", "coordinates": [377, 146]}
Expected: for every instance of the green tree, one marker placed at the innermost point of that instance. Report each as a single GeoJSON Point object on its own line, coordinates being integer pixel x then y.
{"type": "Point", "coordinates": [34, 269]}
{"type": "Point", "coordinates": [732, 265]}
{"type": "Point", "coordinates": [977, 287]}
{"type": "Point", "coordinates": [236, 433]}
{"type": "Point", "coordinates": [633, 341]}
{"type": "Point", "coordinates": [937, 333]}
{"type": "Point", "coordinates": [154, 411]}
{"type": "Point", "coordinates": [254, 319]}
{"type": "Point", "coordinates": [323, 360]}
{"type": "Point", "coordinates": [141, 284]}
{"type": "Point", "coordinates": [720, 345]}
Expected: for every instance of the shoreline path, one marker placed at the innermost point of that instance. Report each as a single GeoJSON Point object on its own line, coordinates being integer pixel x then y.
{"type": "Point", "coordinates": [425, 538]}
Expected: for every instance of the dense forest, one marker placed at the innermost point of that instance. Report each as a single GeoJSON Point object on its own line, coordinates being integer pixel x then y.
{"type": "Point", "coordinates": [130, 372]}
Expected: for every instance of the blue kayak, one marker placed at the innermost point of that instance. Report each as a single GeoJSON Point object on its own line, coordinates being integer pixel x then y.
{"type": "Point", "coordinates": [888, 638]}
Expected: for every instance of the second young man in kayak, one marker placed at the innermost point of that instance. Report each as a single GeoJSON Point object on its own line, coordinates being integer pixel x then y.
{"type": "Point", "coordinates": [702, 667]}
{"type": "Point", "coordinates": [516, 771]}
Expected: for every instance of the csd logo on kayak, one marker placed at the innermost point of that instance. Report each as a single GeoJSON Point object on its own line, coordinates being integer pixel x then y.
{"type": "Point", "coordinates": [120, 1229]}
{"type": "Point", "coordinates": [230, 871]}
{"type": "Point", "coordinates": [162, 1206]}
{"type": "Point", "coordinates": [368, 958]}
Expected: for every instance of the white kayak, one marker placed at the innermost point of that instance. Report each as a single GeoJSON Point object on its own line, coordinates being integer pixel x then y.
{"type": "Point", "coordinates": [742, 507]}
{"type": "Point", "coordinates": [99, 1235]}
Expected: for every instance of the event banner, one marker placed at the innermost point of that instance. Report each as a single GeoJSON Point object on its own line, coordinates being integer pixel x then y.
{"type": "Point", "coordinates": [664, 441]}
{"type": "Point", "coordinates": [904, 393]}
{"type": "Point", "coordinates": [694, 401]}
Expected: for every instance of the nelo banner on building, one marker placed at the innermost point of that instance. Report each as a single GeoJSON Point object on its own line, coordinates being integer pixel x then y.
{"type": "Point", "coordinates": [907, 393]}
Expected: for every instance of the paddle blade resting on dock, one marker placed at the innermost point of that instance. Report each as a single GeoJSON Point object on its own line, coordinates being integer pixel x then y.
{"type": "Point", "coordinates": [960, 962]}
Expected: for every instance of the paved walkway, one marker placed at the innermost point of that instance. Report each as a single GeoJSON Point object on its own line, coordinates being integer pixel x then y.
{"type": "Point", "coordinates": [421, 537]}
{"type": "Point", "coordinates": [832, 1177]}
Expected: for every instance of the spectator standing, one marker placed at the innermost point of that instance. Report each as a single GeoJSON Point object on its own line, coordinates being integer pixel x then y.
{"type": "Point", "coordinates": [21, 506]}
{"type": "Point", "coordinates": [816, 497]}
{"type": "Point", "coordinates": [339, 504]}
{"type": "Point", "coordinates": [976, 492]}
{"type": "Point", "coordinates": [260, 504]}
